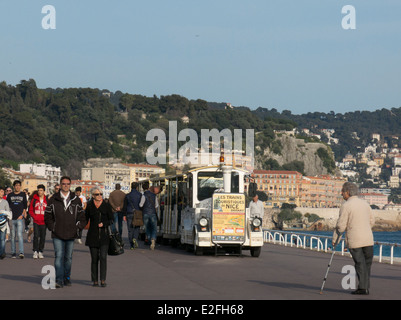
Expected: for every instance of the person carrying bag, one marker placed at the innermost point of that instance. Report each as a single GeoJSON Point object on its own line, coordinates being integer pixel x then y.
{"type": "Point", "coordinates": [100, 215]}
{"type": "Point", "coordinates": [133, 214]}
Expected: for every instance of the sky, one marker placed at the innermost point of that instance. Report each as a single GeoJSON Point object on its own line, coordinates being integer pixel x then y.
{"type": "Point", "coordinates": [285, 54]}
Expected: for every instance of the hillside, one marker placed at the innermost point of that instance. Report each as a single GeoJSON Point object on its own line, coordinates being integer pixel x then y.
{"type": "Point", "coordinates": [63, 127]}
{"type": "Point", "coordinates": [353, 129]}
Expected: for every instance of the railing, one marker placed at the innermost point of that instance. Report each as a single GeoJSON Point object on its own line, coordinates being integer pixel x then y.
{"type": "Point", "coordinates": [319, 242]}
{"type": "Point", "coordinates": [391, 245]}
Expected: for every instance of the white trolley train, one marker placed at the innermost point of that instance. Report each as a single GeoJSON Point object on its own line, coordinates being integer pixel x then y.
{"type": "Point", "coordinates": [205, 209]}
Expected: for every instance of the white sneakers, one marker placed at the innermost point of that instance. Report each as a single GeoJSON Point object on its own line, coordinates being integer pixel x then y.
{"type": "Point", "coordinates": [37, 255]}
{"type": "Point", "coordinates": [152, 244]}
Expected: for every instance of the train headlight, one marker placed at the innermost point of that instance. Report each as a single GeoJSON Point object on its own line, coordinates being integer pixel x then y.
{"type": "Point", "coordinates": [203, 222]}
{"type": "Point", "coordinates": [256, 222]}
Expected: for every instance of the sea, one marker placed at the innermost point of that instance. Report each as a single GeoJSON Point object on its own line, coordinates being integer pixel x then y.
{"type": "Point", "coordinates": [382, 237]}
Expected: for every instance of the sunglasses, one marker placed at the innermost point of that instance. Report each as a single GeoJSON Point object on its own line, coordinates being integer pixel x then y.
{"type": "Point", "coordinates": [98, 194]}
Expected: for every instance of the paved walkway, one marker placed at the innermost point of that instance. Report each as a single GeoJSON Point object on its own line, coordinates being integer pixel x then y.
{"type": "Point", "coordinates": [174, 274]}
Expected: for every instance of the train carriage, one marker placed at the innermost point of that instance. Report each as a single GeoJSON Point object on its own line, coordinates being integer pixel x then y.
{"type": "Point", "coordinates": [205, 209]}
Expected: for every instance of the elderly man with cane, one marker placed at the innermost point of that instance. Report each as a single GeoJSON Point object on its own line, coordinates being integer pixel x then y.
{"type": "Point", "coordinates": [356, 219]}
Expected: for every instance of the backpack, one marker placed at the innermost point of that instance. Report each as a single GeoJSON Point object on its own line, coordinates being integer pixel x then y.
{"type": "Point", "coordinates": [3, 220]}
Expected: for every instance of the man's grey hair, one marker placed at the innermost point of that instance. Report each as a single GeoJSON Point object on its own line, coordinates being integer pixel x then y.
{"type": "Point", "coordinates": [351, 188]}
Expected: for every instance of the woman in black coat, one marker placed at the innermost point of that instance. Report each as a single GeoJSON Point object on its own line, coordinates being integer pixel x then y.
{"type": "Point", "coordinates": [99, 215]}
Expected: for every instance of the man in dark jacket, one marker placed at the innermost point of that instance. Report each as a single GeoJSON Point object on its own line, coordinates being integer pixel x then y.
{"type": "Point", "coordinates": [64, 216]}
{"type": "Point", "coordinates": [149, 205]}
{"type": "Point", "coordinates": [131, 203]}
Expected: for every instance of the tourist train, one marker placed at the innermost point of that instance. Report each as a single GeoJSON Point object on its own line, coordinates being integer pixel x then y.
{"type": "Point", "coordinates": [205, 209]}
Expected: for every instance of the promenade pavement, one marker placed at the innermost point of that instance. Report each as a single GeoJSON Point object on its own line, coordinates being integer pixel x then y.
{"type": "Point", "coordinates": [169, 274]}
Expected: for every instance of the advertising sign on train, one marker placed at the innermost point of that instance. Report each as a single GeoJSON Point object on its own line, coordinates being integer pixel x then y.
{"type": "Point", "coordinates": [228, 220]}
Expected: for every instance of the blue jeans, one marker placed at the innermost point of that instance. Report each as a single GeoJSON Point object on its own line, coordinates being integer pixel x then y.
{"type": "Point", "coordinates": [3, 242]}
{"type": "Point", "coordinates": [150, 222]}
{"type": "Point", "coordinates": [17, 228]}
{"type": "Point", "coordinates": [118, 221]}
{"type": "Point", "coordinates": [133, 232]}
{"type": "Point", "coordinates": [63, 260]}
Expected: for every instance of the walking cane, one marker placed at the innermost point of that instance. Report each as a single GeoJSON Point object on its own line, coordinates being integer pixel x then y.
{"type": "Point", "coordinates": [331, 259]}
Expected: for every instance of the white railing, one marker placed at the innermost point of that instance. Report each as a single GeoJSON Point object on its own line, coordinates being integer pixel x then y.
{"type": "Point", "coordinates": [391, 245]}
{"type": "Point", "coordinates": [319, 243]}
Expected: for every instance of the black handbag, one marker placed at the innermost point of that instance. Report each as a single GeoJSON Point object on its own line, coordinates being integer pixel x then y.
{"type": "Point", "coordinates": [116, 245]}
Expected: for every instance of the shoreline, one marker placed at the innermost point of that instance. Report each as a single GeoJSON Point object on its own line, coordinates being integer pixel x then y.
{"type": "Point", "coordinates": [385, 220]}
{"type": "Point", "coordinates": [332, 229]}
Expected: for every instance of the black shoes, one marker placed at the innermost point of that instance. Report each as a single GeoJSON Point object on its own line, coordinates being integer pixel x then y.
{"type": "Point", "coordinates": [66, 282]}
{"type": "Point", "coordinates": [361, 291]}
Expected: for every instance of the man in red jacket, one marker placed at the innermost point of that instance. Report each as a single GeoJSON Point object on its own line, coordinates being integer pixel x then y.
{"type": "Point", "coordinates": [37, 209]}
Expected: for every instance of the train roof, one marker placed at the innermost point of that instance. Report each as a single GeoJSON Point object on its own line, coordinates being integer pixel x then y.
{"type": "Point", "coordinates": [193, 170]}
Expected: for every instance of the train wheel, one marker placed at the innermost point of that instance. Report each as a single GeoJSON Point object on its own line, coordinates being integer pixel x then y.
{"type": "Point", "coordinates": [255, 251]}
{"type": "Point", "coordinates": [197, 250]}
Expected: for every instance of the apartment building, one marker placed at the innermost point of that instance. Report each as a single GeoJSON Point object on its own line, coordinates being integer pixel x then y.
{"type": "Point", "coordinates": [112, 171]}
{"type": "Point", "coordinates": [377, 199]}
{"type": "Point", "coordinates": [291, 187]}
{"type": "Point", "coordinates": [110, 175]}
{"type": "Point", "coordinates": [51, 174]}
{"type": "Point", "coordinates": [321, 192]}
{"type": "Point", "coordinates": [29, 181]}
{"type": "Point", "coordinates": [140, 172]}
{"type": "Point", "coordinates": [280, 186]}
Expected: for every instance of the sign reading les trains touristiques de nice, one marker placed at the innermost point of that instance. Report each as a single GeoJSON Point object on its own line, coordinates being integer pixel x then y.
{"type": "Point", "coordinates": [228, 218]}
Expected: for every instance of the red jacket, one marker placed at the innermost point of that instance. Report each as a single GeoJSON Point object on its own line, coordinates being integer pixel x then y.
{"type": "Point", "coordinates": [37, 209]}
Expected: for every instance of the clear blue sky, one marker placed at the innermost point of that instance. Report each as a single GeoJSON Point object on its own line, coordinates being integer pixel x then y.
{"type": "Point", "coordinates": [280, 54]}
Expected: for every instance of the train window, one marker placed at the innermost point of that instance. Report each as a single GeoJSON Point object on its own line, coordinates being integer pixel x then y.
{"type": "Point", "coordinates": [235, 182]}
{"type": "Point", "coordinates": [208, 182]}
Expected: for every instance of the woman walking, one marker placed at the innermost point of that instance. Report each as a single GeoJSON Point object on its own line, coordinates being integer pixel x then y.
{"type": "Point", "coordinates": [100, 215]}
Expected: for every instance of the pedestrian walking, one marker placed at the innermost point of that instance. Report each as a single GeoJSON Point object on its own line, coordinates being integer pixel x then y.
{"type": "Point", "coordinates": [149, 205]}
{"type": "Point", "coordinates": [100, 215]}
{"type": "Point", "coordinates": [56, 189]}
{"type": "Point", "coordinates": [18, 205]}
{"type": "Point", "coordinates": [7, 191]}
{"type": "Point", "coordinates": [36, 210]}
{"type": "Point", "coordinates": [64, 216]}
{"type": "Point", "coordinates": [131, 203]}
{"type": "Point", "coordinates": [356, 219]}
{"type": "Point", "coordinates": [78, 191]}
{"type": "Point", "coordinates": [5, 216]}
{"type": "Point", "coordinates": [116, 200]}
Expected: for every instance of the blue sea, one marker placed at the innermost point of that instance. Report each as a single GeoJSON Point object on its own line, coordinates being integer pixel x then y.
{"type": "Point", "coordinates": [387, 237]}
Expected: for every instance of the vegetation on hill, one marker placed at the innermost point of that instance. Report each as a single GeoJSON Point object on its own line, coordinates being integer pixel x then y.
{"type": "Point", "coordinates": [353, 129]}
{"type": "Point", "coordinates": [63, 127]}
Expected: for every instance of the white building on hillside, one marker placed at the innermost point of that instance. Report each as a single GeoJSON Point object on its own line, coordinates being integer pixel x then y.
{"type": "Point", "coordinates": [50, 173]}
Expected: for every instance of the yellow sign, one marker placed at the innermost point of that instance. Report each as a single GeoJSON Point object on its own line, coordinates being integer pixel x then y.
{"type": "Point", "coordinates": [228, 217]}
